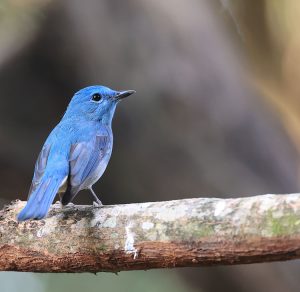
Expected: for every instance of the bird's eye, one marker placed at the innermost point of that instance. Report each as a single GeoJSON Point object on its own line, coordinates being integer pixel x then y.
{"type": "Point", "coordinates": [96, 97]}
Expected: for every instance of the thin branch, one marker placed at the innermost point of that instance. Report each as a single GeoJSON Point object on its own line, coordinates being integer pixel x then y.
{"type": "Point", "coordinates": [182, 233]}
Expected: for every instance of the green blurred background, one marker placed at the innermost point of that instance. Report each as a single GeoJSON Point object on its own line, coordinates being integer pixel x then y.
{"type": "Point", "coordinates": [217, 112]}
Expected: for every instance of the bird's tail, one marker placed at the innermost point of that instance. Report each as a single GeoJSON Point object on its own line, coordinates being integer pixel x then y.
{"type": "Point", "coordinates": [40, 200]}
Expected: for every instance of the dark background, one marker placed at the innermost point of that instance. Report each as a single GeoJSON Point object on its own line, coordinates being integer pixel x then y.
{"type": "Point", "coordinates": [216, 113]}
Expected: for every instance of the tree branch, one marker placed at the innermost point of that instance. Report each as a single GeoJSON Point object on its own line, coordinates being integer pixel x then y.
{"type": "Point", "coordinates": [190, 232]}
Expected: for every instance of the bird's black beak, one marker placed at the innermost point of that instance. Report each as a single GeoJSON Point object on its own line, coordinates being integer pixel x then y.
{"type": "Point", "coordinates": [124, 93]}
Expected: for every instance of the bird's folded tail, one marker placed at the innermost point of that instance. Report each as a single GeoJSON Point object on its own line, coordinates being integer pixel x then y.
{"type": "Point", "coordinates": [40, 200]}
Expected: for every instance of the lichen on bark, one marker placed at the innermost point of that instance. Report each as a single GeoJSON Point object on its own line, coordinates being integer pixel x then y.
{"type": "Point", "coordinates": [189, 232]}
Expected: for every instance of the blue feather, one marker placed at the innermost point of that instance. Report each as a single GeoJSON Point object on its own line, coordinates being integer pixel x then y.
{"type": "Point", "coordinates": [41, 199]}
{"type": "Point", "coordinates": [77, 151]}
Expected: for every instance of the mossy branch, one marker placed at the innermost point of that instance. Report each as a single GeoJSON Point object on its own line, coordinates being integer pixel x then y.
{"type": "Point", "coordinates": [190, 232]}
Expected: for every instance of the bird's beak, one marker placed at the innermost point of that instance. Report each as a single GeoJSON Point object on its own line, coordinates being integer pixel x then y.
{"type": "Point", "coordinates": [124, 93]}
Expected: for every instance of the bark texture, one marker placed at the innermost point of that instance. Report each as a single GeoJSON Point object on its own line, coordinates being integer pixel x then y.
{"type": "Point", "coordinates": [181, 233]}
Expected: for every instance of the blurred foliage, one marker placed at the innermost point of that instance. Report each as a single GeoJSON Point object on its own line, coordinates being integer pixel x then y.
{"type": "Point", "coordinates": [272, 42]}
{"type": "Point", "coordinates": [19, 23]}
{"type": "Point", "coordinates": [150, 281]}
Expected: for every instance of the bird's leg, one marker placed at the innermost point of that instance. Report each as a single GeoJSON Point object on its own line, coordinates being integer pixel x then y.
{"type": "Point", "coordinates": [59, 202]}
{"type": "Point", "coordinates": [96, 202]}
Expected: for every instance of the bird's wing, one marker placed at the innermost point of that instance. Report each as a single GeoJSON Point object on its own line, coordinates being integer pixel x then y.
{"type": "Point", "coordinates": [85, 157]}
{"type": "Point", "coordinates": [39, 169]}
{"type": "Point", "coordinates": [48, 176]}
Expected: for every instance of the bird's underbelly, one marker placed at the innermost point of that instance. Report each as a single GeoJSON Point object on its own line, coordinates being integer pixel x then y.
{"type": "Point", "coordinates": [95, 175]}
{"type": "Point", "coordinates": [92, 178]}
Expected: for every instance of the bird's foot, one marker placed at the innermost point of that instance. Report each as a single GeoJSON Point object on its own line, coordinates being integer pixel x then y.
{"type": "Point", "coordinates": [61, 205]}
{"type": "Point", "coordinates": [97, 203]}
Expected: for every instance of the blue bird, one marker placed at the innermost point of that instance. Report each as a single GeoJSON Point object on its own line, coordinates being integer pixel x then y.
{"type": "Point", "coordinates": [76, 152]}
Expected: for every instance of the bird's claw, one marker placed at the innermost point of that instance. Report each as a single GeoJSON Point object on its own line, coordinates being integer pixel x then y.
{"type": "Point", "coordinates": [97, 204]}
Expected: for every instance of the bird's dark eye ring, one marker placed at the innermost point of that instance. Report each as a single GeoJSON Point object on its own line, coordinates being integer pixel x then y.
{"type": "Point", "coordinates": [96, 97]}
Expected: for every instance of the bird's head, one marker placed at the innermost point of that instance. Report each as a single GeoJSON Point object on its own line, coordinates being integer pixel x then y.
{"type": "Point", "coordinates": [96, 103]}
